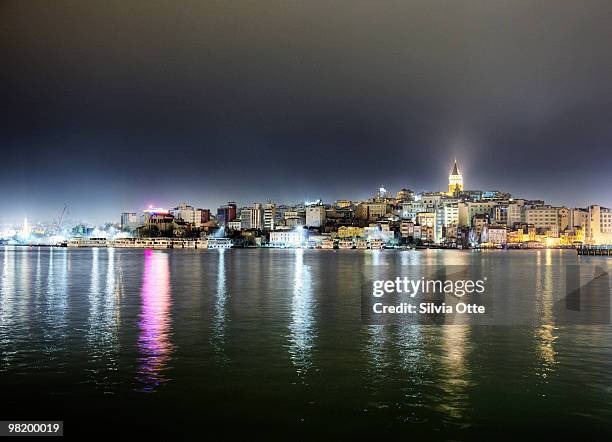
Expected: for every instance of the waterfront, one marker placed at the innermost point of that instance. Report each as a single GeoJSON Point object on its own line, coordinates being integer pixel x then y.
{"type": "Point", "coordinates": [213, 341]}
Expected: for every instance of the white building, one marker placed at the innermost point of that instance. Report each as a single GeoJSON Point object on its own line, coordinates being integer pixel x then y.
{"type": "Point", "coordinates": [580, 217]}
{"type": "Point", "coordinates": [408, 211]}
{"type": "Point", "coordinates": [446, 215]}
{"type": "Point", "coordinates": [406, 229]}
{"type": "Point", "coordinates": [372, 233]}
{"type": "Point", "coordinates": [450, 215]}
{"type": "Point", "coordinates": [185, 212]}
{"type": "Point", "coordinates": [245, 218]}
{"type": "Point", "coordinates": [252, 217]}
{"type": "Point", "coordinates": [257, 216]}
{"type": "Point", "coordinates": [269, 216]}
{"type": "Point", "coordinates": [598, 229]}
{"type": "Point", "coordinates": [287, 238]}
{"type": "Point", "coordinates": [129, 221]}
{"type": "Point", "coordinates": [546, 218]}
{"type": "Point", "coordinates": [497, 235]}
{"type": "Point", "coordinates": [234, 225]}
{"type": "Point", "coordinates": [315, 216]}
{"type": "Point", "coordinates": [515, 214]}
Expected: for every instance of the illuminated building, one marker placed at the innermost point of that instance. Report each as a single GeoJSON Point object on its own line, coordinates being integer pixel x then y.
{"type": "Point", "coordinates": [447, 215]}
{"type": "Point", "coordinates": [342, 204]}
{"type": "Point", "coordinates": [599, 226]}
{"type": "Point", "coordinates": [406, 229]}
{"type": "Point", "coordinates": [479, 221]}
{"type": "Point", "coordinates": [546, 219]}
{"type": "Point", "coordinates": [129, 221]}
{"type": "Point", "coordinates": [371, 211]}
{"type": "Point", "coordinates": [455, 181]}
{"type": "Point", "coordinates": [315, 216]}
{"type": "Point", "coordinates": [450, 215]}
{"type": "Point", "coordinates": [382, 194]}
{"type": "Point", "coordinates": [295, 218]}
{"type": "Point", "coordinates": [184, 212]}
{"type": "Point", "coordinates": [404, 196]}
{"type": "Point", "coordinates": [496, 235]}
{"type": "Point", "coordinates": [515, 213]}
{"type": "Point", "coordinates": [379, 233]}
{"type": "Point", "coordinates": [565, 219]}
{"type": "Point", "coordinates": [408, 211]}
{"type": "Point", "coordinates": [468, 210]}
{"type": "Point", "coordinates": [428, 225]}
{"type": "Point", "coordinates": [269, 217]}
{"type": "Point", "coordinates": [257, 216]}
{"type": "Point", "coordinates": [350, 232]}
{"type": "Point", "coordinates": [226, 213]}
{"type": "Point", "coordinates": [252, 217]}
{"type": "Point", "coordinates": [158, 220]}
{"type": "Point", "coordinates": [431, 199]}
{"type": "Point", "coordinates": [287, 238]}
{"type": "Point", "coordinates": [234, 225]}
{"type": "Point", "coordinates": [245, 218]}
{"type": "Point", "coordinates": [500, 214]}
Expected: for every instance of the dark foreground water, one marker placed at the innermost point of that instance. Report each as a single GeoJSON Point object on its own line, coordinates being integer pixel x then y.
{"type": "Point", "coordinates": [271, 341]}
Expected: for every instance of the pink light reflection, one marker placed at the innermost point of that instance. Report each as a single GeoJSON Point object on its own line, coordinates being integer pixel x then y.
{"type": "Point", "coordinates": [155, 322]}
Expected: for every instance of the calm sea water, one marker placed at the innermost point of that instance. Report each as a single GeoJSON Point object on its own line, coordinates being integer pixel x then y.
{"type": "Point", "coordinates": [190, 342]}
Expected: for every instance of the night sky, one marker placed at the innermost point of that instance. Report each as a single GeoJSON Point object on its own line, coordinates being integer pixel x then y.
{"type": "Point", "coordinates": [113, 105]}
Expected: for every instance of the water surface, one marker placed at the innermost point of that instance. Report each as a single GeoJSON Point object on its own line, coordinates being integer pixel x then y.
{"type": "Point", "coordinates": [214, 341]}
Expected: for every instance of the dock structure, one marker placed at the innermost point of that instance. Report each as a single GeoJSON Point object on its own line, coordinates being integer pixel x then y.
{"type": "Point", "coordinates": [603, 250]}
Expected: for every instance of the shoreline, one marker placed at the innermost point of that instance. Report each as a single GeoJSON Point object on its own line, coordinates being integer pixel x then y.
{"type": "Point", "coordinates": [401, 249]}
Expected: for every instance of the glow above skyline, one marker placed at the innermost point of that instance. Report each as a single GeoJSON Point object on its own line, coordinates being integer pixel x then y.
{"type": "Point", "coordinates": [297, 101]}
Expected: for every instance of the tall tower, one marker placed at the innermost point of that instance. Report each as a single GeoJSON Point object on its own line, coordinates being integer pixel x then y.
{"type": "Point", "coordinates": [455, 181]}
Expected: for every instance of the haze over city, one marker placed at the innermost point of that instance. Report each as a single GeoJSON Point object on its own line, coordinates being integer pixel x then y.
{"type": "Point", "coordinates": [110, 107]}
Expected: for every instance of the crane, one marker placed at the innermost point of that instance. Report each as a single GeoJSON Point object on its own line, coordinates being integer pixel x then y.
{"type": "Point", "coordinates": [61, 218]}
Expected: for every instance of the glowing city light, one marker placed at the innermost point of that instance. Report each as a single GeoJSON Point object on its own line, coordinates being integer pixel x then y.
{"type": "Point", "coordinates": [155, 322]}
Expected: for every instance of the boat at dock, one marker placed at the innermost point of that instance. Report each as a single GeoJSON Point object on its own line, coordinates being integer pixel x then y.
{"type": "Point", "coordinates": [587, 250]}
{"type": "Point", "coordinates": [87, 242]}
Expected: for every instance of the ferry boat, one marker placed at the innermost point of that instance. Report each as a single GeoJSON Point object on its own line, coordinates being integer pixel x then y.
{"type": "Point", "coordinates": [376, 244]}
{"type": "Point", "coordinates": [327, 244]}
{"type": "Point", "coordinates": [153, 243]}
{"type": "Point", "coordinates": [361, 244]}
{"type": "Point", "coordinates": [141, 243]}
{"type": "Point", "coordinates": [346, 244]}
{"type": "Point", "coordinates": [189, 244]}
{"type": "Point", "coordinates": [87, 242]}
{"type": "Point", "coordinates": [122, 242]}
{"type": "Point", "coordinates": [219, 243]}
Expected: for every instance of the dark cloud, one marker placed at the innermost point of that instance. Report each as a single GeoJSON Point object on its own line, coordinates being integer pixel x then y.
{"type": "Point", "coordinates": [112, 105]}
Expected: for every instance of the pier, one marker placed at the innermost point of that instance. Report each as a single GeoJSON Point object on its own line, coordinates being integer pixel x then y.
{"type": "Point", "coordinates": [595, 250]}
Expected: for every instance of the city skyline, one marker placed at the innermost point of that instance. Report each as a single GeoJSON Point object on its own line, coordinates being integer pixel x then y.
{"type": "Point", "coordinates": [127, 105]}
{"type": "Point", "coordinates": [169, 203]}
{"type": "Point", "coordinates": [455, 178]}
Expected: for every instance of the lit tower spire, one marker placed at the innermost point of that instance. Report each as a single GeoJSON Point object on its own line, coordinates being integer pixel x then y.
{"type": "Point", "coordinates": [455, 181]}
{"type": "Point", "coordinates": [26, 229]}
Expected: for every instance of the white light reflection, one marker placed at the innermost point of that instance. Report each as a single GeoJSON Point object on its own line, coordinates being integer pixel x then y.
{"type": "Point", "coordinates": [218, 326]}
{"type": "Point", "coordinates": [301, 327]}
{"type": "Point", "coordinates": [544, 334]}
{"type": "Point", "coordinates": [56, 304]}
{"type": "Point", "coordinates": [7, 307]}
{"type": "Point", "coordinates": [102, 338]}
